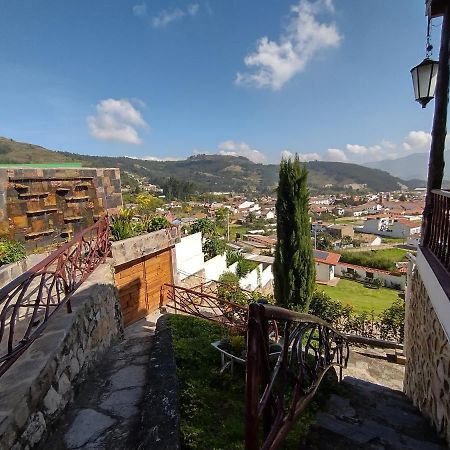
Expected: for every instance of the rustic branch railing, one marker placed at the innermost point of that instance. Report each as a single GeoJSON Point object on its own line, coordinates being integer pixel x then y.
{"type": "Point", "coordinates": [28, 302]}
{"type": "Point", "coordinates": [278, 392]}
{"type": "Point", "coordinates": [204, 305]}
{"type": "Point", "coordinates": [437, 239]}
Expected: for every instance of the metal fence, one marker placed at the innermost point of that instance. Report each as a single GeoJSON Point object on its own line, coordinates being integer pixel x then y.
{"type": "Point", "coordinates": [28, 302]}
{"type": "Point", "coordinates": [278, 390]}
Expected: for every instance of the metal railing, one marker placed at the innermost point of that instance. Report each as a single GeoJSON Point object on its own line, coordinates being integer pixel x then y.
{"type": "Point", "coordinates": [28, 302]}
{"type": "Point", "coordinates": [202, 301]}
{"type": "Point", "coordinates": [437, 238]}
{"type": "Point", "coordinates": [277, 392]}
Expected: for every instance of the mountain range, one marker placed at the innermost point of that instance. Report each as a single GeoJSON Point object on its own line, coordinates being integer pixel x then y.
{"type": "Point", "coordinates": [210, 172]}
{"type": "Point", "coordinates": [411, 167]}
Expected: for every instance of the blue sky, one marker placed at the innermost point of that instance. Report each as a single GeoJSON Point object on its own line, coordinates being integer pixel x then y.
{"type": "Point", "coordinates": [328, 79]}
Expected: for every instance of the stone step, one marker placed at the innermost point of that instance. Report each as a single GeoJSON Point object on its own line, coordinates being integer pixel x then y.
{"type": "Point", "coordinates": [367, 415]}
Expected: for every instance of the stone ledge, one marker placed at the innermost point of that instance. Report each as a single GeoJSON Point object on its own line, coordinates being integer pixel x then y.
{"type": "Point", "coordinates": [144, 245]}
{"type": "Point", "coordinates": [36, 389]}
{"type": "Point", "coordinates": [160, 423]}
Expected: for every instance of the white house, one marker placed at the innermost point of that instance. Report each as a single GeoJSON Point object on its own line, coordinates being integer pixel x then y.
{"type": "Point", "coordinates": [392, 227]}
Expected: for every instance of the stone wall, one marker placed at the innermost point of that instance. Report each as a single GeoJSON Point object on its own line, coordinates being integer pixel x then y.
{"type": "Point", "coordinates": [45, 206]}
{"type": "Point", "coordinates": [427, 350]}
{"type": "Point", "coordinates": [36, 389]}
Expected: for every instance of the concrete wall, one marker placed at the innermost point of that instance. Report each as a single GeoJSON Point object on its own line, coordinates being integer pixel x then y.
{"type": "Point", "coordinates": [36, 389]}
{"type": "Point", "coordinates": [427, 347]}
{"type": "Point", "coordinates": [189, 255]}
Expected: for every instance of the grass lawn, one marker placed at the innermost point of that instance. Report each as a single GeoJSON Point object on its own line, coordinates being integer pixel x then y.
{"type": "Point", "coordinates": [384, 259]}
{"type": "Point", "coordinates": [363, 299]}
{"type": "Point", "coordinates": [212, 404]}
{"type": "Point", "coordinates": [241, 229]}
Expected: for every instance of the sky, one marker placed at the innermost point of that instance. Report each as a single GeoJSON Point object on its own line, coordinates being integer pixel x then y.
{"type": "Point", "coordinates": [166, 79]}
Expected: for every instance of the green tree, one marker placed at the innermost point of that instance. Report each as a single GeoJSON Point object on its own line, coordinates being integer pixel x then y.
{"type": "Point", "coordinates": [294, 268]}
{"type": "Point", "coordinates": [205, 226]}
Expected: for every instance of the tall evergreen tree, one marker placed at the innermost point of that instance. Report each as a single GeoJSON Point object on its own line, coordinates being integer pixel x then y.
{"type": "Point", "coordinates": [294, 269]}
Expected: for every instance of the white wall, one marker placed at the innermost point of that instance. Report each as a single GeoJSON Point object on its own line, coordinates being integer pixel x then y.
{"type": "Point", "coordinates": [323, 272]}
{"type": "Point", "coordinates": [189, 255]}
{"type": "Point", "coordinates": [215, 267]}
{"type": "Point", "coordinates": [384, 277]}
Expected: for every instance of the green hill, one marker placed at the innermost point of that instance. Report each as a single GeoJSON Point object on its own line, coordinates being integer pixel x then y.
{"type": "Point", "coordinates": [210, 172]}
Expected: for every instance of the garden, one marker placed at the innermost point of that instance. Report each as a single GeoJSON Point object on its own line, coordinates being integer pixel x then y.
{"type": "Point", "coordinates": [212, 403]}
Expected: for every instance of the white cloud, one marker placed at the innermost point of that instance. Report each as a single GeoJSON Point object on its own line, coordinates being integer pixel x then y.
{"type": "Point", "coordinates": [117, 120]}
{"type": "Point", "coordinates": [192, 10]}
{"type": "Point", "coordinates": [165, 17]}
{"type": "Point", "coordinates": [303, 157]}
{"type": "Point", "coordinates": [335, 154]}
{"type": "Point", "coordinates": [140, 10]}
{"type": "Point", "coordinates": [417, 141]}
{"type": "Point", "coordinates": [233, 148]}
{"type": "Point", "coordinates": [275, 62]}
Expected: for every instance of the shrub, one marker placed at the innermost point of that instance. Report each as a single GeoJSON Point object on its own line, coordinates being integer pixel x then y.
{"type": "Point", "coordinates": [121, 228]}
{"type": "Point", "coordinates": [157, 223]}
{"type": "Point", "coordinates": [244, 267]}
{"type": "Point", "coordinates": [393, 321]}
{"type": "Point", "coordinates": [230, 290]}
{"type": "Point", "coordinates": [213, 246]}
{"type": "Point", "coordinates": [232, 257]}
{"type": "Point", "coordinates": [11, 251]}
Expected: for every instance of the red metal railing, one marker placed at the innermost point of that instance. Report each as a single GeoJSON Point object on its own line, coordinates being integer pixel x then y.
{"type": "Point", "coordinates": [28, 302]}
{"type": "Point", "coordinates": [203, 302]}
{"type": "Point", "coordinates": [277, 392]}
{"type": "Point", "coordinates": [437, 238]}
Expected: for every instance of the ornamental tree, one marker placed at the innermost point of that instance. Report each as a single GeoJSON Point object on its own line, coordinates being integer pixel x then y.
{"type": "Point", "coordinates": [294, 269]}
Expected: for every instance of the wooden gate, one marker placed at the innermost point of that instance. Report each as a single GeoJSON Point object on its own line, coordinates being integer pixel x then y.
{"type": "Point", "coordinates": [139, 283]}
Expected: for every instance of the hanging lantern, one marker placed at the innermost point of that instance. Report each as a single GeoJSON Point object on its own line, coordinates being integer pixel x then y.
{"type": "Point", "coordinates": [424, 80]}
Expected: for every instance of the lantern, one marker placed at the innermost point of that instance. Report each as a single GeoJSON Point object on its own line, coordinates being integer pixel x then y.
{"type": "Point", "coordinates": [424, 80]}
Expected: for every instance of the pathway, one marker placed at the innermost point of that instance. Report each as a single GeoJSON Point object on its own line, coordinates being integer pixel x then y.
{"type": "Point", "coordinates": [106, 412]}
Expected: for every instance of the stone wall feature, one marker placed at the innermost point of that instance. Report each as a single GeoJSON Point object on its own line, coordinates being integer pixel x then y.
{"type": "Point", "coordinates": [38, 386]}
{"type": "Point", "coordinates": [46, 206]}
{"type": "Point", "coordinates": [160, 406]}
{"type": "Point", "coordinates": [427, 351]}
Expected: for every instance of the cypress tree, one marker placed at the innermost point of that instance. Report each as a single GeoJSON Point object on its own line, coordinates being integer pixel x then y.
{"type": "Point", "coordinates": [294, 268]}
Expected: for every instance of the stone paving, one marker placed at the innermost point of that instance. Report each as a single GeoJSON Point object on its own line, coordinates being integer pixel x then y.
{"type": "Point", "coordinates": [106, 410]}
{"type": "Point", "coordinates": [371, 411]}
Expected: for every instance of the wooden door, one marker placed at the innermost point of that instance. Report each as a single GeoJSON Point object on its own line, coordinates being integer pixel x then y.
{"type": "Point", "coordinates": [139, 283]}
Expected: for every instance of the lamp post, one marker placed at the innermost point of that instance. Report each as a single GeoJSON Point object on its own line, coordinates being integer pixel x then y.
{"type": "Point", "coordinates": [439, 131]}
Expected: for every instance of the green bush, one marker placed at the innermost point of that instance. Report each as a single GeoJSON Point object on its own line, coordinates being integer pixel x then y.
{"type": "Point", "coordinates": [244, 267]}
{"type": "Point", "coordinates": [125, 225]}
{"type": "Point", "coordinates": [232, 257]}
{"type": "Point", "coordinates": [212, 247]}
{"type": "Point", "coordinates": [393, 321]}
{"type": "Point", "coordinates": [11, 251]}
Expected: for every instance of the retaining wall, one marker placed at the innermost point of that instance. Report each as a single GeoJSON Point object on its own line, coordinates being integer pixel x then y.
{"type": "Point", "coordinates": [36, 389]}
{"type": "Point", "coordinates": [427, 351]}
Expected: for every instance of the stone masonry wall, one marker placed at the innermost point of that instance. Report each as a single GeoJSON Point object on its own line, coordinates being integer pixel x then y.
{"type": "Point", "coordinates": [36, 389]}
{"type": "Point", "coordinates": [41, 207]}
{"type": "Point", "coordinates": [427, 350]}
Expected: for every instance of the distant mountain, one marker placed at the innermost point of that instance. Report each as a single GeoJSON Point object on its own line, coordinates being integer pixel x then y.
{"type": "Point", "coordinates": [409, 167]}
{"type": "Point", "coordinates": [210, 172]}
